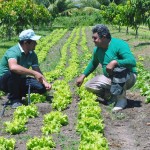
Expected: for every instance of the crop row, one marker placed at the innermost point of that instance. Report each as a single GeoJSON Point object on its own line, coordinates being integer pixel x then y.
{"type": "Point", "coordinates": [143, 80]}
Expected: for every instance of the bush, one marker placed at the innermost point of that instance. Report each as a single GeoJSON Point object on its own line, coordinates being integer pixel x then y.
{"type": "Point", "coordinates": [74, 21]}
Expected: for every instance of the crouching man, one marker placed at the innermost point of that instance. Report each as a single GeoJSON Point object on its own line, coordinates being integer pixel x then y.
{"type": "Point", "coordinates": [118, 65]}
{"type": "Point", "coordinates": [15, 66]}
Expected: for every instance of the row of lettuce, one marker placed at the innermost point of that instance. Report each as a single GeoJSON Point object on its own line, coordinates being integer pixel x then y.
{"type": "Point", "coordinates": [143, 79]}
{"type": "Point", "coordinates": [89, 121]}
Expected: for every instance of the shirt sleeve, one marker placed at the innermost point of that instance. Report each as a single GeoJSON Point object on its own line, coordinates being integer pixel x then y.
{"type": "Point", "coordinates": [92, 65]}
{"type": "Point", "coordinates": [11, 55]}
{"type": "Point", "coordinates": [105, 72]}
{"type": "Point", "coordinates": [125, 57]}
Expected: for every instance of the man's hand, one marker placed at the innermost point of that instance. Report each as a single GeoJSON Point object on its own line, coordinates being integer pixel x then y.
{"type": "Point", "coordinates": [47, 85]}
{"type": "Point", "coordinates": [39, 76]}
{"type": "Point", "coordinates": [80, 80]}
{"type": "Point", "coordinates": [111, 66]}
{"type": "Point", "coordinates": [41, 79]}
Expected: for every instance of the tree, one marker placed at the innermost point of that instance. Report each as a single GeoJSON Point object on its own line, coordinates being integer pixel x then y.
{"type": "Point", "coordinates": [119, 18]}
{"type": "Point", "coordinates": [17, 15]}
{"type": "Point", "coordinates": [88, 3]}
{"type": "Point", "coordinates": [118, 1]}
{"type": "Point", "coordinates": [138, 10]}
{"type": "Point", "coordinates": [109, 12]}
{"type": "Point", "coordinates": [56, 7]}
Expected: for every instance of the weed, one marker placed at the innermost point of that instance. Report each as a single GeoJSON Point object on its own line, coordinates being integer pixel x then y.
{"type": "Point", "coordinates": [23, 137]}
{"type": "Point", "coordinates": [67, 143]}
{"type": "Point", "coordinates": [115, 115]}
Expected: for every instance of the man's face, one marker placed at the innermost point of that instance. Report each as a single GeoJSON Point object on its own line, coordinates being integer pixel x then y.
{"type": "Point", "coordinates": [32, 45]}
{"type": "Point", "coordinates": [97, 40]}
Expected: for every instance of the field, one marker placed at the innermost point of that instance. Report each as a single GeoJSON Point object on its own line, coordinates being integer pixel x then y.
{"type": "Point", "coordinates": [125, 130]}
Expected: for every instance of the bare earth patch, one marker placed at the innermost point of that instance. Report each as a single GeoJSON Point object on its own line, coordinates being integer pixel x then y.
{"type": "Point", "coordinates": [128, 129]}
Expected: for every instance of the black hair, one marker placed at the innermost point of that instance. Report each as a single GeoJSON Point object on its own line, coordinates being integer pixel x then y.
{"type": "Point", "coordinates": [101, 30]}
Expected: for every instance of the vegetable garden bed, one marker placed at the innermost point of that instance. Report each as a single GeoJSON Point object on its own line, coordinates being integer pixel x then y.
{"type": "Point", "coordinates": [126, 130]}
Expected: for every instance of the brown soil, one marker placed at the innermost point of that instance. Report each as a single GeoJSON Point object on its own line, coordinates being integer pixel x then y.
{"type": "Point", "coordinates": [125, 130]}
{"type": "Point", "coordinates": [130, 128]}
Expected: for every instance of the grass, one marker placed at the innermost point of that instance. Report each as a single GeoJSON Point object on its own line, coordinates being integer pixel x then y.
{"type": "Point", "coordinates": [24, 137]}
{"type": "Point", "coordinates": [71, 143]}
{"type": "Point", "coordinates": [115, 115]}
{"type": "Point", "coordinates": [5, 44]}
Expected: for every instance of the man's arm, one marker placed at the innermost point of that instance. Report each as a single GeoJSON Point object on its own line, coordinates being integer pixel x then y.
{"type": "Point", "coordinates": [14, 67]}
{"type": "Point", "coordinates": [45, 83]}
{"type": "Point", "coordinates": [36, 72]}
{"type": "Point", "coordinates": [127, 58]}
{"type": "Point", "coordinates": [92, 65]}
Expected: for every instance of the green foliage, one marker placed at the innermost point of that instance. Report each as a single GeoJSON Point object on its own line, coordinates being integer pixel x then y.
{"type": "Point", "coordinates": [109, 12]}
{"type": "Point", "coordinates": [58, 6]}
{"type": "Point", "coordinates": [43, 143]}
{"type": "Point", "coordinates": [93, 140]}
{"type": "Point", "coordinates": [21, 115]}
{"type": "Point", "coordinates": [7, 144]}
{"type": "Point", "coordinates": [139, 11]}
{"type": "Point", "coordinates": [53, 122]}
{"type": "Point", "coordinates": [16, 126]}
{"type": "Point", "coordinates": [143, 79]}
{"type": "Point", "coordinates": [87, 16]}
{"type": "Point", "coordinates": [73, 21]}
{"type": "Point", "coordinates": [29, 111]}
{"type": "Point", "coordinates": [1, 94]}
{"type": "Point", "coordinates": [89, 3]}
{"type": "Point", "coordinates": [17, 15]}
{"type": "Point", "coordinates": [132, 14]}
{"type": "Point", "coordinates": [36, 98]}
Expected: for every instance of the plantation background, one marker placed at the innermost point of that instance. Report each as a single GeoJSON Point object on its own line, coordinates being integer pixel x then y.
{"type": "Point", "coordinates": [64, 50]}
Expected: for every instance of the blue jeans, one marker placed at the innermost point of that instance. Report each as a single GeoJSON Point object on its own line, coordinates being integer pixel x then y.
{"type": "Point", "coordinates": [17, 87]}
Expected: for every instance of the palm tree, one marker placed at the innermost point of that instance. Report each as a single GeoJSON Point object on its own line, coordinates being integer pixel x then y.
{"type": "Point", "coordinates": [58, 6]}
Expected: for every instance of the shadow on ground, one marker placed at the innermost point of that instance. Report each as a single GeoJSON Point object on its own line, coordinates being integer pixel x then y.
{"type": "Point", "coordinates": [133, 103]}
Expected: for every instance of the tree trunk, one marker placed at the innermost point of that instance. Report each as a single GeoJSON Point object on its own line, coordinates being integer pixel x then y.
{"type": "Point", "coordinates": [9, 32]}
{"type": "Point", "coordinates": [127, 30]}
{"type": "Point", "coordinates": [136, 29]}
{"type": "Point", "coordinates": [119, 28]}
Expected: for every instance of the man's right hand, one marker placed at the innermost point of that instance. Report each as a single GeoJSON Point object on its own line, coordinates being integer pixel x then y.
{"type": "Point", "coordinates": [80, 80]}
{"type": "Point", "coordinates": [39, 76]}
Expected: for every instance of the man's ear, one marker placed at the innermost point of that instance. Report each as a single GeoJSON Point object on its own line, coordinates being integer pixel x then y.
{"type": "Point", "coordinates": [104, 36]}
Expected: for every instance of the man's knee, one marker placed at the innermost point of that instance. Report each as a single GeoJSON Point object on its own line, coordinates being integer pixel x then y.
{"type": "Point", "coordinates": [42, 90]}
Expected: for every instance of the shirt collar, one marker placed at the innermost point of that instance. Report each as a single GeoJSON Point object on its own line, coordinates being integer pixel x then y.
{"type": "Point", "coordinates": [22, 51]}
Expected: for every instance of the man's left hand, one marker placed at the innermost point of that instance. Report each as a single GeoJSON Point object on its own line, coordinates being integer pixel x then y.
{"type": "Point", "coordinates": [111, 66]}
